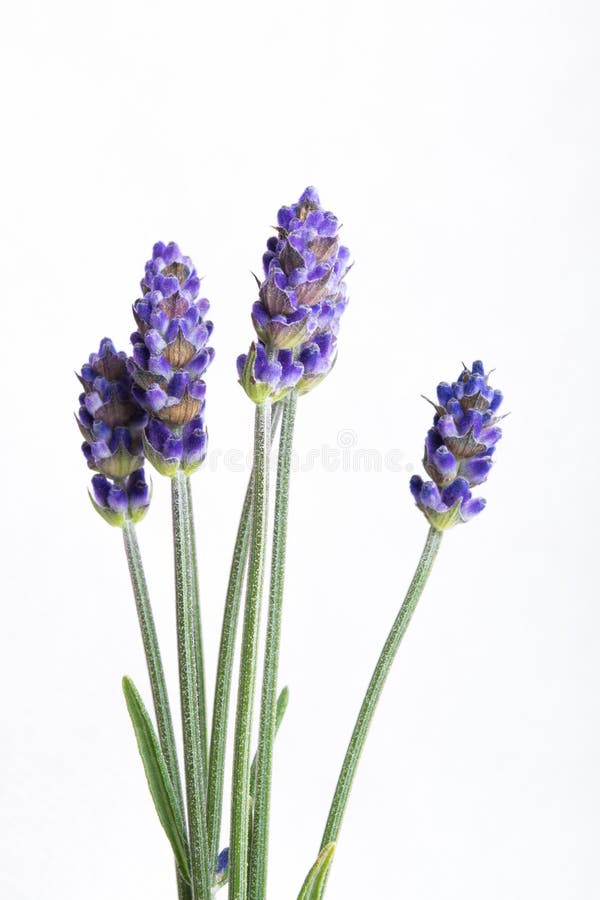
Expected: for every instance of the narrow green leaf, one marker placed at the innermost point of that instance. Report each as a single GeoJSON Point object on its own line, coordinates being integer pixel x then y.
{"type": "Point", "coordinates": [313, 887]}
{"type": "Point", "coordinates": [282, 702]}
{"type": "Point", "coordinates": [157, 776]}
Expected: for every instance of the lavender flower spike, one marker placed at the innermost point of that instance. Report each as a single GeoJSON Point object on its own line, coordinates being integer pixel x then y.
{"type": "Point", "coordinates": [112, 424]}
{"type": "Point", "coordinates": [458, 449]}
{"type": "Point", "coordinates": [301, 301]}
{"type": "Point", "coordinates": [304, 267]}
{"type": "Point", "coordinates": [170, 356]}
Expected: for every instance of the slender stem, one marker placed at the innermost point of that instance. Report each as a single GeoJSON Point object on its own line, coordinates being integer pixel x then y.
{"type": "Point", "coordinates": [240, 800]}
{"type": "Point", "coordinates": [188, 683]}
{"type": "Point", "coordinates": [156, 672]}
{"type": "Point", "coordinates": [369, 704]}
{"type": "Point", "coordinates": [266, 739]}
{"type": "Point", "coordinates": [197, 627]}
{"type": "Point", "coordinates": [184, 890]}
{"type": "Point", "coordinates": [218, 742]}
{"type": "Point", "coordinates": [216, 770]}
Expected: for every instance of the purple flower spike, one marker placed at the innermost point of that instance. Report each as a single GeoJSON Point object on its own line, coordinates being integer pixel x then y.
{"type": "Point", "coordinates": [109, 418]}
{"type": "Point", "coordinates": [112, 424]}
{"type": "Point", "coordinates": [303, 293]}
{"type": "Point", "coordinates": [170, 353]}
{"type": "Point", "coordinates": [458, 449]}
{"type": "Point", "coordinates": [169, 358]}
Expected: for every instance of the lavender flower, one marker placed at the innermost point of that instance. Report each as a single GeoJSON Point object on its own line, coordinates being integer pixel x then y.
{"type": "Point", "coordinates": [458, 449]}
{"type": "Point", "coordinates": [117, 501]}
{"type": "Point", "coordinates": [263, 377]}
{"type": "Point", "coordinates": [112, 424]}
{"type": "Point", "coordinates": [301, 299]}
{"type": "Point", "coordinates": [222, 869]}
{"type": "Point", "coordinates": [170, 449]}
{"type": "Point", "coordinates": [170, 356]}
{"type": "Point", "coordinates": [317, 358]}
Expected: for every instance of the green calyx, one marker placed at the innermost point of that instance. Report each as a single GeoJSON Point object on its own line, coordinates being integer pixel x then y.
{"type": "Point", "coordinates": [444, 521]}
{"type": "Point", "coordinates": [258, 391]}
{"type": "Point", "coordinates": [119, 519]}
{"type": "Point", "coordinates": [168, 467]}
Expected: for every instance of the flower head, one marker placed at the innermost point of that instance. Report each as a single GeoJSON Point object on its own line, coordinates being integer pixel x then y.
{"type": "Point", "coordinates": [458, 448]}
{"type": "Point", "coordinates": [303, 293]}
{"type": "Point", "coordinates": [112, 424]}
{"type": "Point", "coordinates": [170, 352]}
{"type": "Point", "coordinates": [169, 358]}
{"type": "Point", "coordinates": [109, 418]}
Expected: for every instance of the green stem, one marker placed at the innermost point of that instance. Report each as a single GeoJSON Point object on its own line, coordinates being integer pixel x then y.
{"type": "Point", "coordinates": [369, 704]}
{"type": "Point", "coordinates": [218, 741]}
{"type": "Point", "coordinates": [188, 684]}
{"type": "Point", "coordinates": [240, 800]}
{"type": "Point", "coordinates": [266, 738]}
{"type": "Point", "coordinates": [197, 627]}
{"type": "Point", "coordinates": [156, 672]}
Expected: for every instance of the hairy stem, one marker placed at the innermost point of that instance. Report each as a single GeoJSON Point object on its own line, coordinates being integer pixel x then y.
{"type": "Point", "coordinates": [380, 673]}
{"type": "Point", "coordinates": [218, 741]}
{"type": "Point", "coordinates": [266, 739]}
{"type": "Point", "coordinates": [197, 627]}
{"type": "Point", "coordinates": [188, 684]}
{"type": "Point", "coordinates": [240, 801]}
{"type": "Point", "coordinates": [156, 672]}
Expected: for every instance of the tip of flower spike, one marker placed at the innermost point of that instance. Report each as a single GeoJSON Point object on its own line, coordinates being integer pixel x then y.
{"type": "Point", "coordinates": [168, 274]}
{"type": "Point", "coordinates": [308, 200]}
{"type": "Point", "coordinates": [310, 195]}
{"type": "Point", "coordinates": [106, 346]}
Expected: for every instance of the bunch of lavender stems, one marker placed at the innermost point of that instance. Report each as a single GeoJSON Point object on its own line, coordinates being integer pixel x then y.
{"type": "Point", "coordinates": [150, 405]}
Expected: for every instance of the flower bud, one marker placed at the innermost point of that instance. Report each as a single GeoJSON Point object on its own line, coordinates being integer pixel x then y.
{"type": "Point", "coordinates": [266, 378]}
{"type": "Point", "coordinates": [168, 451]}
{"type": "Point", "coordinates": [118, 501]}
{"type": "Point", "coordinates": [222, 869]}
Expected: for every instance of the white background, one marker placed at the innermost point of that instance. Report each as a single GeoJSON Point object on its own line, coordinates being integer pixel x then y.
{"type": "Point", "coordinates": [459, 144]}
